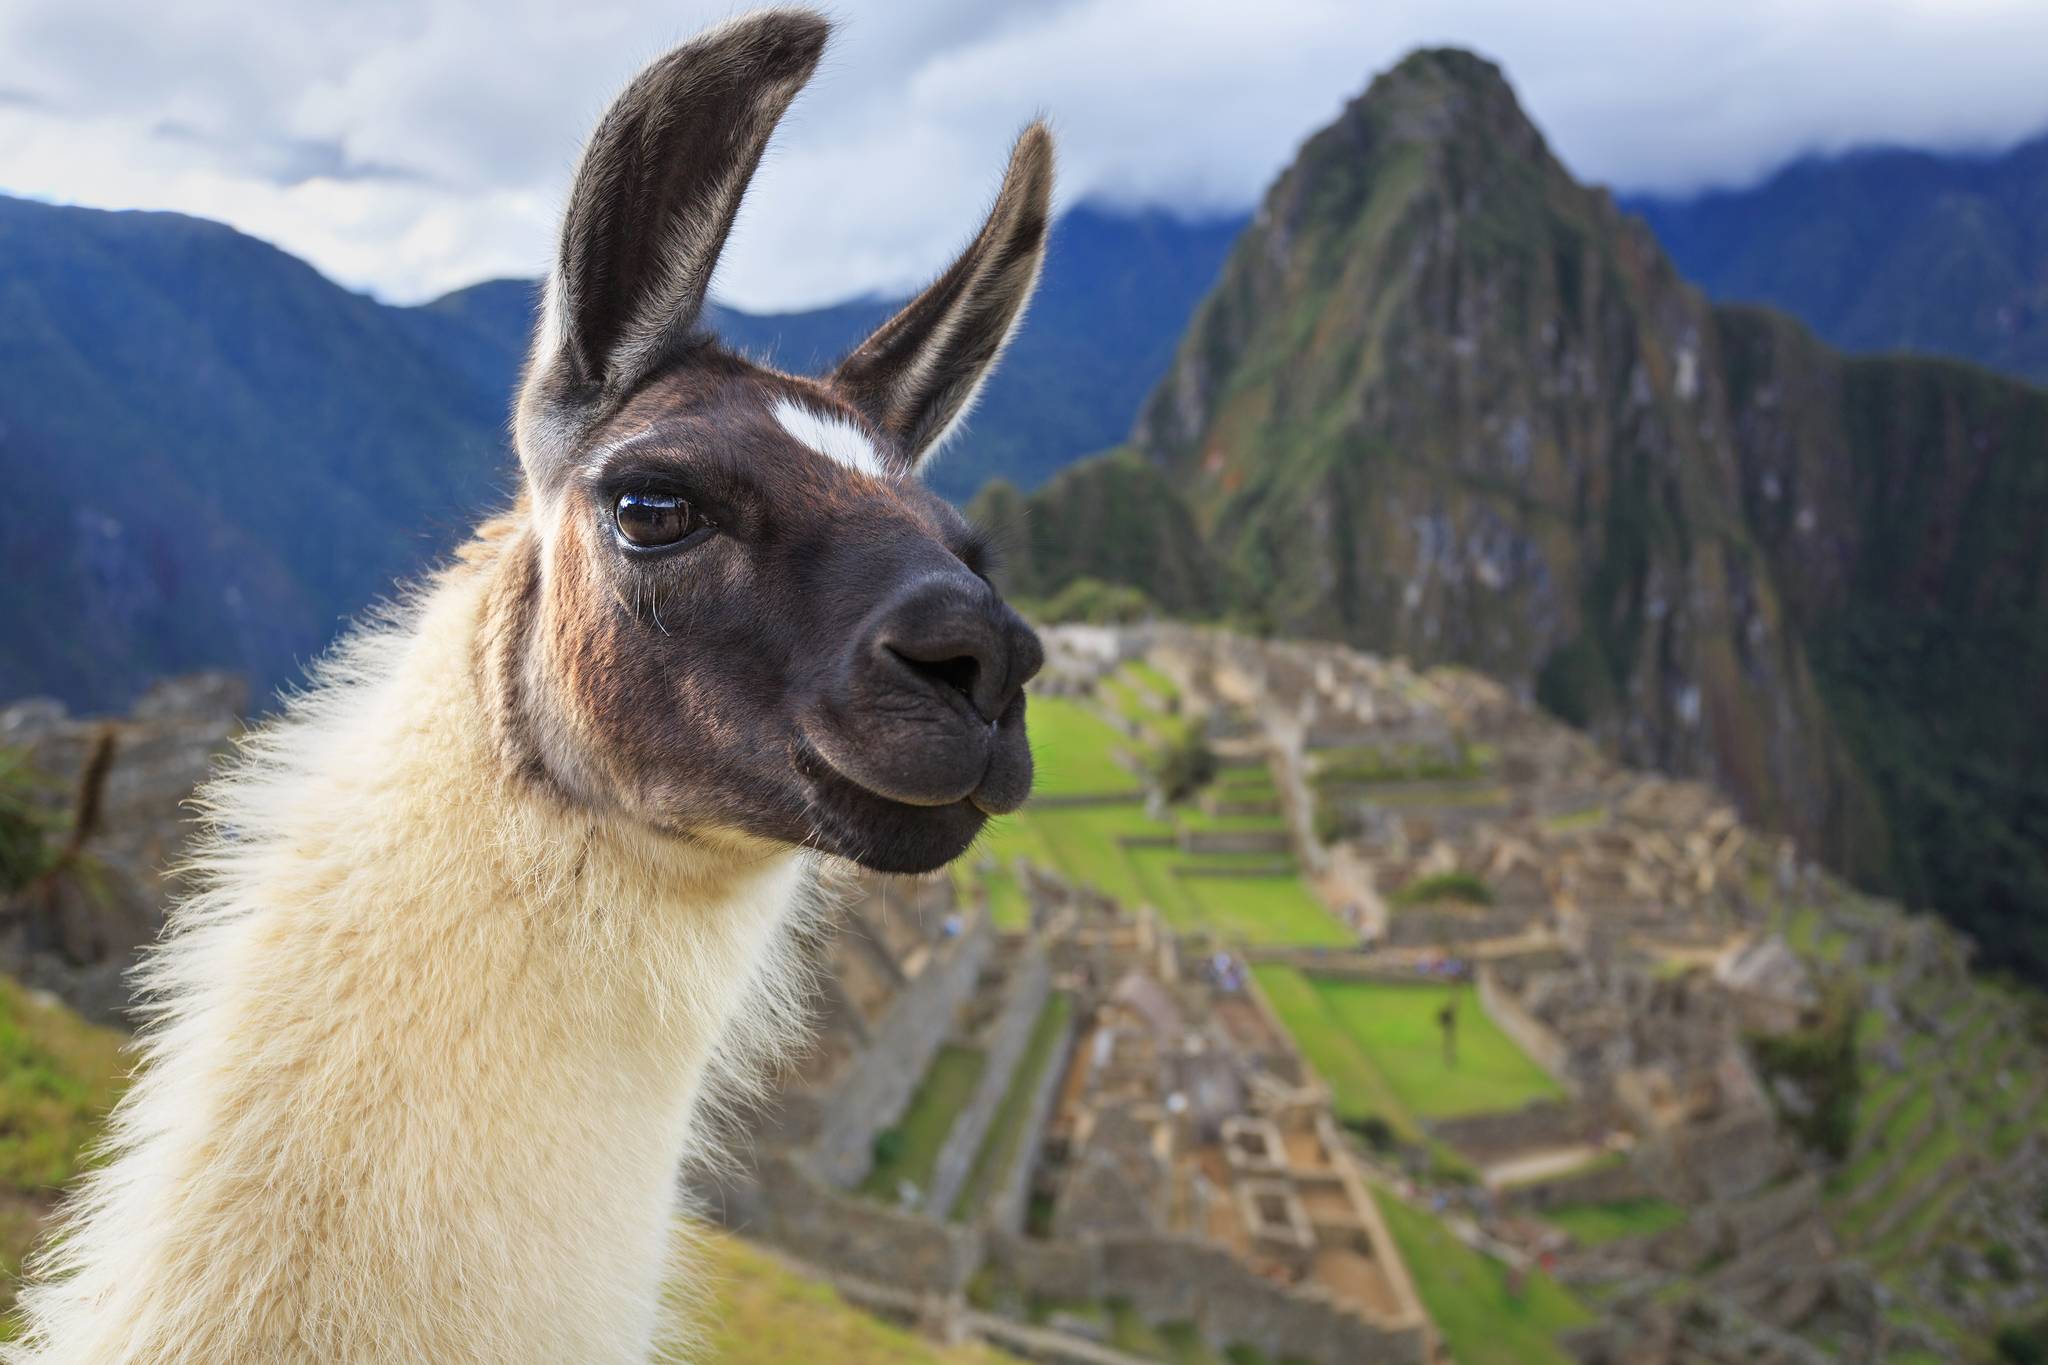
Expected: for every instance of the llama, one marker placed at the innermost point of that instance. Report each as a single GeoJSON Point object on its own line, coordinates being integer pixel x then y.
{"type": "Point", "coordinates": [506, 899]}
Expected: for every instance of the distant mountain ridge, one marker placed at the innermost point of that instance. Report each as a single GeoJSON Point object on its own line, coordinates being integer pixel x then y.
{"type": "Point", "coordinates": [1446, 403]}
{"type": "Point", "coordinates": [1883, 249]}
{"type": "Point", "coordinates": [215, 456]}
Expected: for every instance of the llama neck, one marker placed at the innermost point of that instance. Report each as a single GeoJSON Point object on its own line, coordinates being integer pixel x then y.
{"type": "Point", "coordinates": [431, 1048]}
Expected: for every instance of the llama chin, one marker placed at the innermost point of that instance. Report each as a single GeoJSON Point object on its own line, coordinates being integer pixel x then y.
{"type": "Point", "coordinates": [498, 914]}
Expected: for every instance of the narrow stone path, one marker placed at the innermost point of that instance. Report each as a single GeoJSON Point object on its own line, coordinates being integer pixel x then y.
{"type": "Point", "coordinates": [1525, 1167]}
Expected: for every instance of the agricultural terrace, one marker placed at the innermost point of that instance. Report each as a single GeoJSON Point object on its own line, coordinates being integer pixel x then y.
{"type": "Point", "coordinates": [1485, 1312]}
{"type": "Point", "coordinates": [1380, 1048]}
{"type": "Point", "coordinates": [1087, 823]}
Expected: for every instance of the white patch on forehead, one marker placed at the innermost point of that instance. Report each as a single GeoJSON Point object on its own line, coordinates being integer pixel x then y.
{"type": "Point", "coordinates": [833, 437]}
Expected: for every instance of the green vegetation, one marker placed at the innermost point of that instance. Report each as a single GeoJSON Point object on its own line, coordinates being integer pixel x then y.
{"type": "Point", "coordinates": [1090, 601]}
{"type": "Point", "coordinates": [2024, 1343]}
{"type": "Point", "coordinates": [1116, 848]}
{"type": "Point", "coordinates": [1181, 763]}
{"type": "Point", "coordinates": [762, 1312]}
{"type": "Point", "coordinates": [1115, 519]}
{"type": "Point", "coordinates": [1153, 681]}
{"type": "Point", "coordinates": [1822, 1063]}
{"type": "Point", "coordinates": [1007, 908]}
{"type": "Point", "coordinates": [908, 1151]}
{"type": "Point", "coordinates": [1484, 1316]}
{"type": "Point", "coordinates": [58, 1078]}
{"type": "Point", "coordinates": [26, 826]}
{"type": "Point", "coordinates": [1398, 763]}
{"type": "Point", "coordinates": [1396, 1028]}
{"type": "Point", "coordinates": [1461, 888]}
{"type": "Point", "coordinates": [1594, 1224]}
{"type": "Point", "coordinates": [1359, 1093]}
{"type": "Point", "coordinates": [1277, 911]}
{"type": "Point", "coordinates": [1567, 822]}
{"type": "Point", "coordinates": [999, 1148]}
{"type": "Point", "coordinates": [1075, 750]}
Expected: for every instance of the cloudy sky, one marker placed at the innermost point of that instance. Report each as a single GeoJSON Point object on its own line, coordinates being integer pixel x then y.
{"type": "Point", "coordinates": [412, 146]}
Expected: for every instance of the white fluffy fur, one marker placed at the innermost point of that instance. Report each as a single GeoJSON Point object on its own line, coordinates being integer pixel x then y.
{"type": "Point", "coordinates": [426, 1052]}
{"type": "Point", "coordinates": [833, 437]}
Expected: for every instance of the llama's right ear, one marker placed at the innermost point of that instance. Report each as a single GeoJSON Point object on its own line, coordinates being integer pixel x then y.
{"type": "Point", "coordinates": [655, 195]}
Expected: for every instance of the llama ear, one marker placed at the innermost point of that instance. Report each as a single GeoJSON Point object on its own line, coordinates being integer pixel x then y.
{"type": "Point", "coordinates": [918, 375]}
{"type": "Point", "coordinates": [656, 192]}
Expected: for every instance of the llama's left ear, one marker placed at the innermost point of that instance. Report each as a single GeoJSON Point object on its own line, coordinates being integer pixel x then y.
{"type": "Point", "coordinates": [918, 375]}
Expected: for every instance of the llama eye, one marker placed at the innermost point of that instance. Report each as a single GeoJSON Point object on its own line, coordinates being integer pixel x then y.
{"type": "Point", "coordinates": [652, 521]}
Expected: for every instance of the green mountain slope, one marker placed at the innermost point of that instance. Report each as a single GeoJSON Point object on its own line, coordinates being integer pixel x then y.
{"type": "Point", "coordinates": [1447, 403]}
{"type": "Point", "coordinates": [1884, 250]}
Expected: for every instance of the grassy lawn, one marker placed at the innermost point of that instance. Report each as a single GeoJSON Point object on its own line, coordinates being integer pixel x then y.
{"type": "Point", "coordinates": [1587, 817]}
{"type": "Point", "coordinates": [1247, 784]}
{"type": "Point", "coordinates": [1941, 1146]}
{"type": "Point", "coordinates": [761, 1313]}
{"type": "Point", "coordinates": [1403, 763]}
{"type": "Point", "coordinates": [1075, 750]}
{"type": "Point", "coordinates": [1084, 845]}
{"type": "Point", "coordinates": [1395, 1026]}
{"type": "Point", "coordinates": [999, 1149]}
{"type": "Point", "coordinates": [1905, 1121]}
{"type": "Point", "coordinates": [58, 1077]}
{"type": "Point", "coordinates": [1468, 1295]}
{"type": "Point", "coordinates": [947, 1086]}
{"type": "Point", "coordinates": [1260, 910]}
{"type": "Point", "coordinates": [1593, 1224]}
{"type": "Point", "coordinates": [1006, 838]}
{"type": "Point", "coordinates": [1194, 817]}
{"type": "Point", "coordinates": [1132, 705]}
{"type": "Point", "coordinates": [1151, 679]}
{"type": "Point", "coordinates": [1805, 934]}
{"type": "Point", "coordinates": [1007, 908]}
{"type": "Point", "coordinates": [1082, 841]}
{"type": "Point", "coordinates": [1357, 1088]}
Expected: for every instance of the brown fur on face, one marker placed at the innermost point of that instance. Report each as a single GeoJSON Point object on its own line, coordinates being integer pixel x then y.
{"type": "Point", "coordinates": [730, 686]}
{"type": "Point", "coordinates": [825, 663]}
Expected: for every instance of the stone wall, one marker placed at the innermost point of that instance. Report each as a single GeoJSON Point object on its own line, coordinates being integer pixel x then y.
{"type": "Point", "coordinates": [1421, 927]}
{"type": "Point", "coordinates": [876, 1086]}
{"type": "Point", "coordinates": [1010, 1198]}
{"type": "Point", "coordinates": [1273, 841]}
{"type": "Point", "coordinates": [77, 936]}
{"type": "Point", "coordinates": [1724, 1158]}
{"type": "Point", "coordinates": [1529, 1033]}
{"type": "Point", "coordinates": [1182, 1279]}
{"type": "Point", "coordinates": [1603, 1185]}
{"type": "Point", "coordinates": [786, 1204]}
{"type": "Point", "coordinates": [1485, 1137]}
{"type": "Point", "coordinates": [1008, 1034]}
{"type": "Point", "coordinates": [1750, 1223]}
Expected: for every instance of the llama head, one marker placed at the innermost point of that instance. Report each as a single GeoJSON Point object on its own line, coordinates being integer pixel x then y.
{"type": "Point", "coordinates": [747, 618]}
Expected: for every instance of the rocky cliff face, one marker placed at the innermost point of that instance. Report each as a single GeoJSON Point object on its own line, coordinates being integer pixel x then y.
{"type": "Point", "coordinates": [120, 790]}
{"type": "Point", "coordinates": [1447, 403]}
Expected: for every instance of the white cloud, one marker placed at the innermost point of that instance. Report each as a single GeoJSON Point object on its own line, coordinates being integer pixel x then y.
{"type": "Point", "coordinates": [411, 146]}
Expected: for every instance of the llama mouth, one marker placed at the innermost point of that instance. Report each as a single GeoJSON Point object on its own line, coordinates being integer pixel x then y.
{"type": "Point", "coordinates": [853, 821]}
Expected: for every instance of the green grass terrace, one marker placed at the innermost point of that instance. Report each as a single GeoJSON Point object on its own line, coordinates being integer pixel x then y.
{"type": "Point", "coordinates": [1088, 824]}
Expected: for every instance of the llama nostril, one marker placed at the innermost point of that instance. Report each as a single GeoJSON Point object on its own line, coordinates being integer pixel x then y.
{"type": "Point", "coordinates": [958, 672]}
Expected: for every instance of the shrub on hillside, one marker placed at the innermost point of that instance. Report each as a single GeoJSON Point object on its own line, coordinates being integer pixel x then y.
{"type": "Point", "coordinates": [1090, 601]}
{"type": "Point", "coordinates": [27, 849]}
{"type": "Point", "coordinates": [2024, 1343]}
{"type": "Point", "coordinates": [1182, 764]}
{"type": "Point", "coordinates": [1814, 1075]}
{"type": "Point", "coordinates": [1459, 887]}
